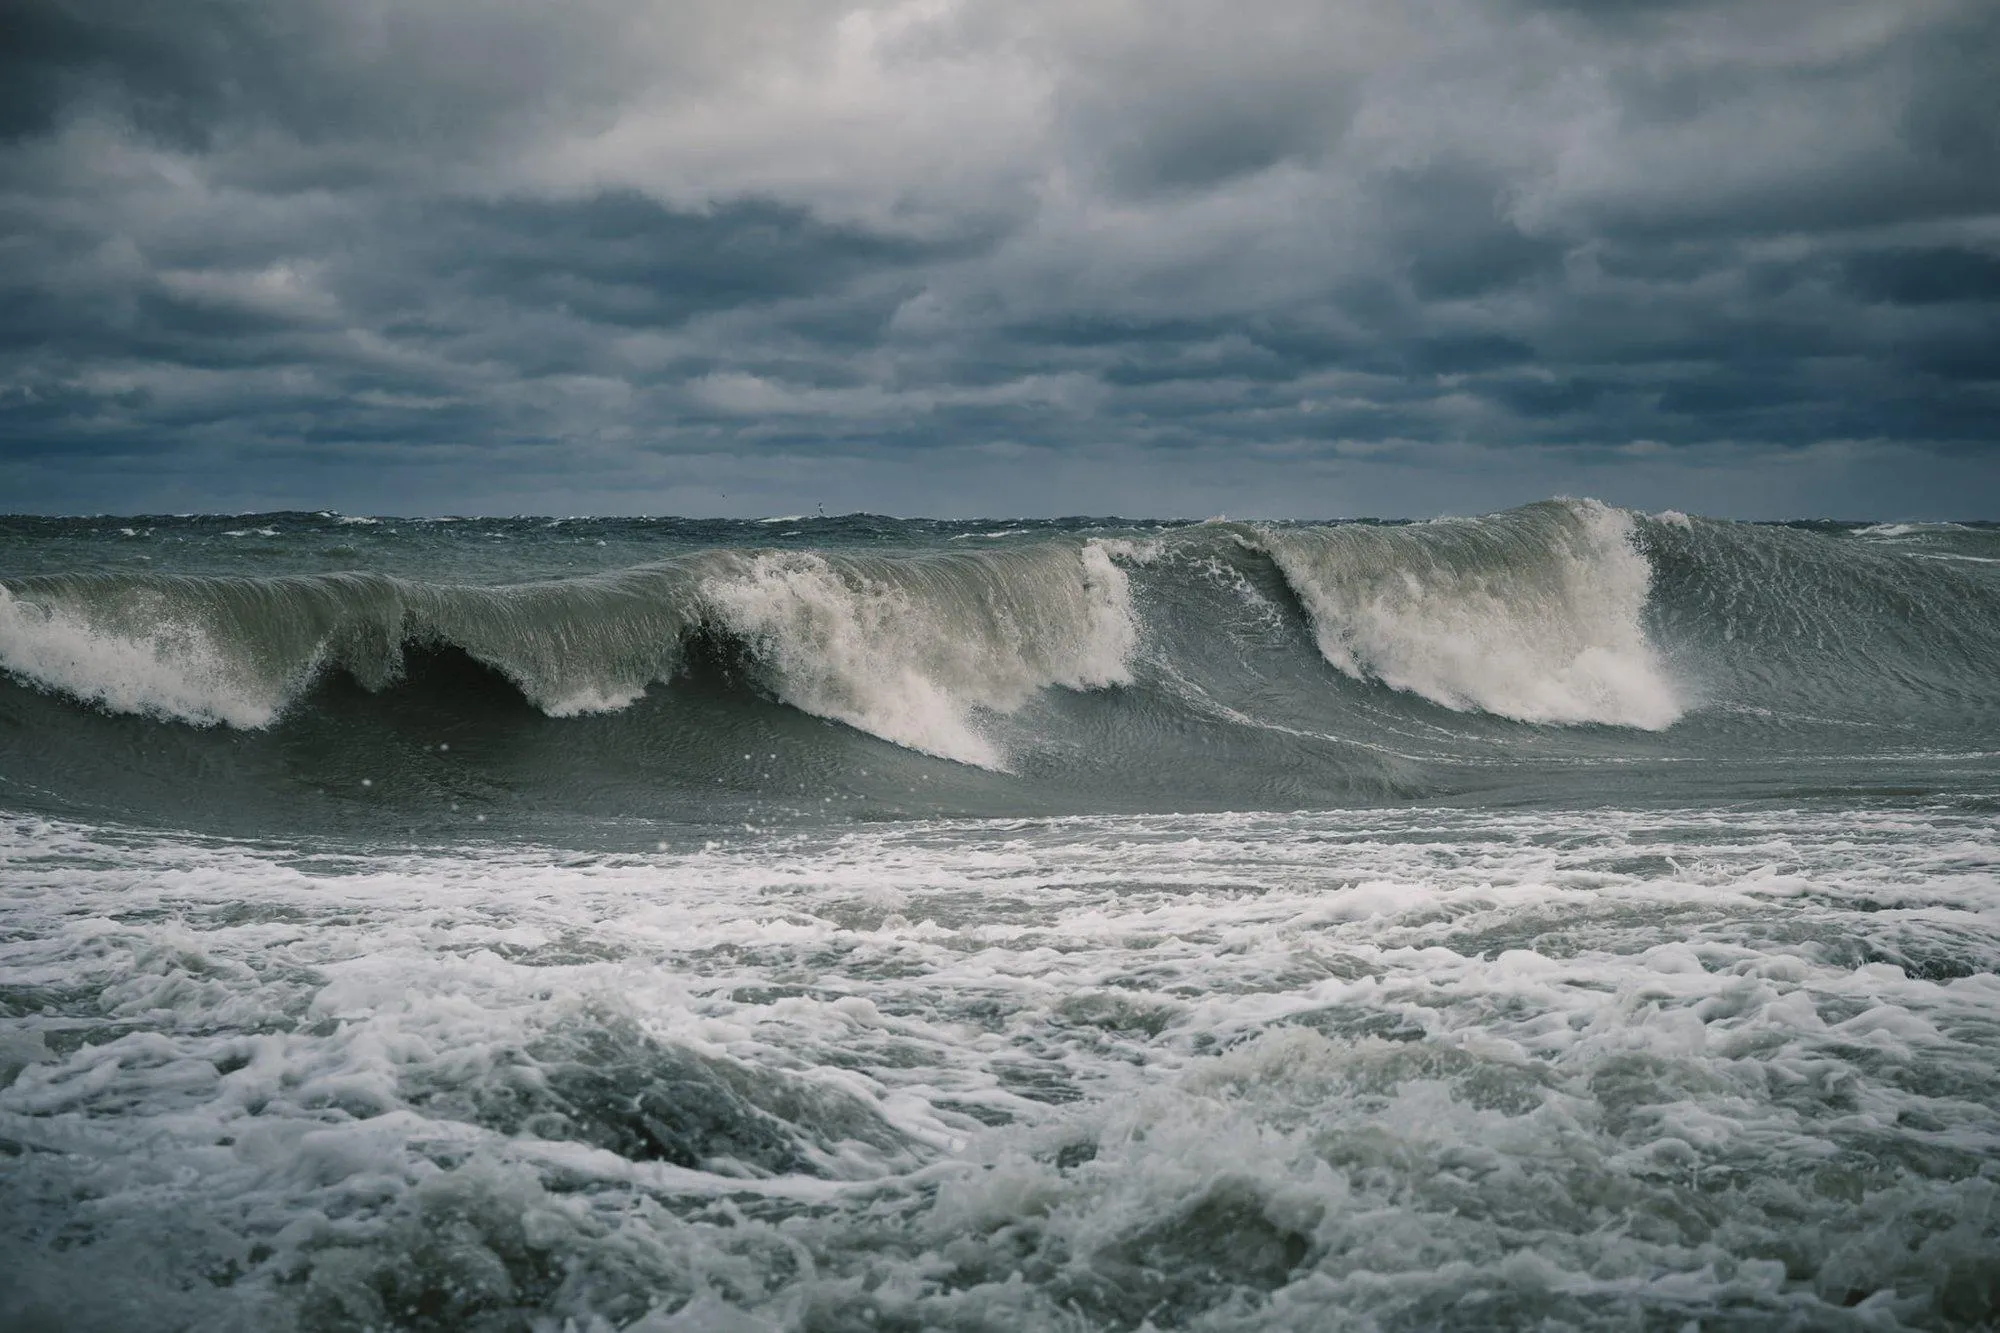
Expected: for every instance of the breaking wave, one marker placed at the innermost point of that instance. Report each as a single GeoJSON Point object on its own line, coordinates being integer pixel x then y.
{"type": "Point", "coordinates": [1538, 615]}
{"type": "Point", "coordinates": [1060, 668]}
{"type": "Point", "coordinates": [913, 650]}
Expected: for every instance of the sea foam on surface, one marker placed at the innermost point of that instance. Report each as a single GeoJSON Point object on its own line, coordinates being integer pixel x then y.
{"type": "Point", "coordinates": [1383, 1070]}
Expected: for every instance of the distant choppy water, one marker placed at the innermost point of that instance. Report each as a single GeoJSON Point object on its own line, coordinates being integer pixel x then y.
{"type": "Point", "coordinates": [1561, 918]}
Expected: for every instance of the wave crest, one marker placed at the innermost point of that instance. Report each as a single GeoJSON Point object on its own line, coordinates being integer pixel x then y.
{"type": "Point", "coordinates": [910, 649]}
{"type": "Point", "coordinates": [913, 659]}
{"type": "Point", "coordinates": [1535, 614]}
{"type": "Point", "coordinates": [136, 655]}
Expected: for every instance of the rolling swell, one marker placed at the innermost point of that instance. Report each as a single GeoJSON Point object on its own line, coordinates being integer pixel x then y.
{"type": "Point", "coordinates": [1884, 626]}
{"type": "Point", "coordinates": [1221, 665]}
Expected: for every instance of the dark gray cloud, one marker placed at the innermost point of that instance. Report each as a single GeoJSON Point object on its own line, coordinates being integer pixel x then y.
{"type": "Point", "coordinates": [947, 256]}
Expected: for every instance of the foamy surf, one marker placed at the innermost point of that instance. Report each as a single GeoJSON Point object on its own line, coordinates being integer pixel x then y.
{"type": "Point", "coordinates": [915, 660]}
{"type": "Point", "coordinates": [152, 666]}
{"type": "Point", "coordinates": [1282, 1072]}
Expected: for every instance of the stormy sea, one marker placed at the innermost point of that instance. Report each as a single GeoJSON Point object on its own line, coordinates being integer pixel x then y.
{"type": "Point", "coordinates": [1562, 918]}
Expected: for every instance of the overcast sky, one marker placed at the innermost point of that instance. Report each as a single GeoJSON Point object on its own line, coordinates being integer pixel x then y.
{"type": "Point", "coordinates": [962, 257]}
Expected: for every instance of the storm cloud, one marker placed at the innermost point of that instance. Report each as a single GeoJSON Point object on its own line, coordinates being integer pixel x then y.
{"type": "Point", "coordinates": [948, 257]}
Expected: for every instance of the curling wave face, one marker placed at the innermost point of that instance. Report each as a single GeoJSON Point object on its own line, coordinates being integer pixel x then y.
{"type": "Point", "coordinates": [906, 649]}
{"type": "Point", "coordinates": [1539, 617]}
{"type": "Point", "coordinates": [611, 666]}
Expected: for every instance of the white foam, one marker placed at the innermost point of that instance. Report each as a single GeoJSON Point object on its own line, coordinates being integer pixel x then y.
{"type": "Point", "coordinates": [1103, 654]}
{"type": "Point", "coordinates": [914, 661]}
{"type": "Point", "coordinates": [1542, 1069]}
{"type": "Point", "coordinates": [171, 669]}
{"type": "Point", "coordinates": [591, 700]}
{"type": "Point", "coordinates": [1549, 631]}
{"type": "Point", "coordinates": [848, 651]}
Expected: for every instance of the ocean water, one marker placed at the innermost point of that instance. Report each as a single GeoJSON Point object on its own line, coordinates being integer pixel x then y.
{"type": "Point", "coordinates": [1561, 918]}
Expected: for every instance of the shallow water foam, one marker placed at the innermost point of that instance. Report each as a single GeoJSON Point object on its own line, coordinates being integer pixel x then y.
{"type": "Point", "coordinates": [1226, 1072]}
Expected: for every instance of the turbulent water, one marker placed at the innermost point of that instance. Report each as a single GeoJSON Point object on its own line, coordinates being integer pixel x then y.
{"type": "Point", "coordinates": [1565, 917]}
